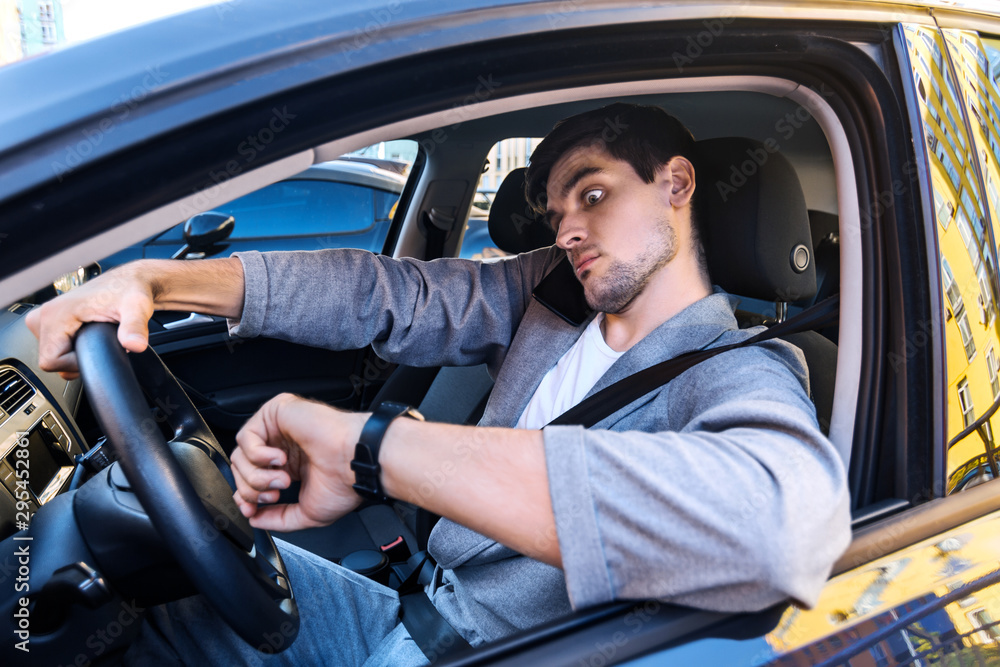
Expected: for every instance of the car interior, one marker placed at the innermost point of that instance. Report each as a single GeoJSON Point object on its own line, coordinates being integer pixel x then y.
{"type": "Point", "coordinates": [777, 191]}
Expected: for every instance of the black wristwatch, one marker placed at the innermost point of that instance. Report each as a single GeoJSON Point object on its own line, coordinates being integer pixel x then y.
{"type": "Point", "coordinates": [365, 464]}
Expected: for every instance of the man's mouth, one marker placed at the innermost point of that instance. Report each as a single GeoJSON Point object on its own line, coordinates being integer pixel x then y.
{"type": "Point", "coordinates": [584, 263]}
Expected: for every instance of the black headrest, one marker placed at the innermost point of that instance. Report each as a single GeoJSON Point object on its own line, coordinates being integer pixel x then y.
{"type": "Point", "coordinates": [755, 223]}
{"type": "Point", "coordinates": [514, 226]}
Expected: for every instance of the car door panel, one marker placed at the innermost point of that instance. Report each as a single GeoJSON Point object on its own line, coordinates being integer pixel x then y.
{"type": "Point", "coordinates": [230, 378]}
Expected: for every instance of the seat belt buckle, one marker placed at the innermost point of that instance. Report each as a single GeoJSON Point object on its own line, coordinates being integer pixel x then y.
{"type": "Point", "coordinates": [397, 551]}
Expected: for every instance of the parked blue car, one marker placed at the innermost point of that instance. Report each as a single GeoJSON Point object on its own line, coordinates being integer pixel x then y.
{"type": "Point", "coordinates": [344, 203]}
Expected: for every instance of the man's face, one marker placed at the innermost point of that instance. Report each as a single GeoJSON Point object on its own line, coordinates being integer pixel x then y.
{"type": "Point", "coordinates": [616, 229]}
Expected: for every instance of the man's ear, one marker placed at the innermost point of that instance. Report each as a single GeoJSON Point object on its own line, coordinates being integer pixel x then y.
{"type": "Point", "coordinates": [678, 175]}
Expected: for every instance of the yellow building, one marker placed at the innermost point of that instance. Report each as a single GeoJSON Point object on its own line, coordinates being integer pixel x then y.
{"type": "Point", "coordinates": [10, 32]}
{"type": "Point", "coordinates": [965, 232]}
{"type": "Point", "coordinates": [877, 591]}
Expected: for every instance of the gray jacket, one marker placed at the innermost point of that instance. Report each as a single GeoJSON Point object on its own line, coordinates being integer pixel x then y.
{"type": "Point", "coordinates": [716, 491]}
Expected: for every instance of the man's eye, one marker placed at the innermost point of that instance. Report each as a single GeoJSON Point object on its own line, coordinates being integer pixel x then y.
{"type": "Point", "coordinates": [592, 196]}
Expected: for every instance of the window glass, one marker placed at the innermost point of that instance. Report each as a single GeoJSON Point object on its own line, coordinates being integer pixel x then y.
{"type": "Point", "coordinates": [965, 402]}
{"type": "Point", "coordinates": [385, 204]}
{"type": "Point", "coordinates": [991, 368]}
{"type": "Point", "coordinates": [294, 208]}
{"type": "Point", "coordinates": [978, 61]}
{"type": "Point", "coordinates": [344, 203]}
{"type": "Point", "coordinates": [504, 157]}
{"type": "Point", "coordinates": [968, 276]}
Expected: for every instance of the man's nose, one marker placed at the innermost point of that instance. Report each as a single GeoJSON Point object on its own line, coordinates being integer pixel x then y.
{"type": "Point", "coordinates": [571, 232]}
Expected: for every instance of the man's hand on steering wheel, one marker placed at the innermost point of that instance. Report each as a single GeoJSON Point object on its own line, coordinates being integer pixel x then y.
{"type": "Point", "coordinates": [129, 294]}
{"type": "Point", "coordinates": [123, 296]}
{"type": "Point", "coordinates": [291, 438]}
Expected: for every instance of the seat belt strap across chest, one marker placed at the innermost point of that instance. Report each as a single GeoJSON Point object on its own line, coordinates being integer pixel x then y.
{"type": "Point", "coordinates": [606, 402]}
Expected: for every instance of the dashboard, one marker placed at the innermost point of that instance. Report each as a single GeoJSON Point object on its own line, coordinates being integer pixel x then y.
{"type": "Point", "coordinates": [38, 439]}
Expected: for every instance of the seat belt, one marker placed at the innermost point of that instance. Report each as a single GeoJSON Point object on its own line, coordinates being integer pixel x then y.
{"type": "Point", "coordinates": [428, 628]}
{"type": "Point", "coordinates": [433, 634]}
{"type": "Point", "coordinates": [609, 400]}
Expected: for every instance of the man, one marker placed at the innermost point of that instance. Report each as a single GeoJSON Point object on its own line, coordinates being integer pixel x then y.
{"type": "Point", "coordinates": [651, 502]}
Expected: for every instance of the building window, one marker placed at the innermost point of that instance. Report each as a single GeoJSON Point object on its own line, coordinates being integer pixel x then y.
{"type": "Point", "coordinates": [951, 288]}
{"type": "Point", "coordinates": [991, 369]}
{"type": "Point", "coordinates": [880, 655]}
{"type": "Point", "coordinates": [46, 11]}
{"type": "Point", "coordinates": [968, 237]}
{"type": "Point", "coordinates": [985, 295]}
{"type": "Point", "coordinates": [962, 320]}
{"type": "Point", "coordinates": [988, 633]}
{"type": "Point", "coordinates": [965, 402]}
{"type": "Point", "coordinates": [944, 208]}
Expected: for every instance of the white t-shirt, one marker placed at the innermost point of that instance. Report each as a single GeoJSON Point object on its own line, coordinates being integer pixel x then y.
{"type": "Point", "coordinates": [568, 381]}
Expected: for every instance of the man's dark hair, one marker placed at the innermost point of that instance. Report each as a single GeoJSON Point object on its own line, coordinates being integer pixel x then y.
{"type": "Point", "coordinates": [646, 137]}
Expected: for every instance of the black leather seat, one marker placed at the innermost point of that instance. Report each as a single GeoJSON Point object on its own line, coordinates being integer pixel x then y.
{"type": "Point", "coordinates": [759, 243]}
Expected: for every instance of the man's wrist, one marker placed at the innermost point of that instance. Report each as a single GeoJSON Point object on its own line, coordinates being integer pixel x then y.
{"type": "Point", "coordinates": [211, 286]}
{"type": "Point", "coordinates": [366, 463]}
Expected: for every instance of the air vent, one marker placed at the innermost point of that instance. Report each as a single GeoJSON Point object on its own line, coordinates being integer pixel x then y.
{"type": "Point", "coordinates": [14, 390]}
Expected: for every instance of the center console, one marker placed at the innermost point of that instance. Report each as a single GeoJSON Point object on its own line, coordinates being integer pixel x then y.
{"type": "Point", "coordinates": [36, 449]}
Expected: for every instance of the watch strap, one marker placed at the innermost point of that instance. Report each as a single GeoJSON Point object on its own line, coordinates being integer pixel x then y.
{"type": "Point", "coordinates": [365, 464]}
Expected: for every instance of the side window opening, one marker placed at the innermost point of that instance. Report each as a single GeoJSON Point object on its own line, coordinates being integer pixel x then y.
{"type": "Point", "coordinates": [505, 156]}
{"type": "Point", "coordinates": [347, 202]}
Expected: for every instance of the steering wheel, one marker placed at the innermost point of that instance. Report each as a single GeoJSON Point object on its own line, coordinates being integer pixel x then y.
{"type": "Point", "coordinates": [242, 577]}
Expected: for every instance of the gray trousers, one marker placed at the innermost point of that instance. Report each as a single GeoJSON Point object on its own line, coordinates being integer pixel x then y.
{"type": "Point", "coordinates": [346, 619]}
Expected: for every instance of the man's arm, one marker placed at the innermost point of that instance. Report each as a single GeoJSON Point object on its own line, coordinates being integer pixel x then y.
{"type": "Point", "coordinates": [129, 294]}
{"type": "Point", "coordinates": [492, 480]}
{"type": "Point", "coordinates": [447, 312]}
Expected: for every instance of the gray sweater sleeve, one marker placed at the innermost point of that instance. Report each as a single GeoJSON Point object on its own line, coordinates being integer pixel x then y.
{"type": "Point", "coordinates": [444, 312]}
{"type": "Point", "coordinates": [733, 503]}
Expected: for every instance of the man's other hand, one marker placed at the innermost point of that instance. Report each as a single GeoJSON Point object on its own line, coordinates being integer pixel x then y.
{"type": "Point", "coordinates": [291, 438]}
{"type": "Point", "coordinates": [122, 295]}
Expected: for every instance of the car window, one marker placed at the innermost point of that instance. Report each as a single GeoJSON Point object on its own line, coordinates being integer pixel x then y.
{"type": "Point", "coordinates": [504, 157]}
{"type": "Point", "coordinates": [976, 63]}
{"type": "Point", "coordinates": [298, 208]}
{"type": "Point", "coordinates": [968, 264]}
{"type": "Point", "coordinates": [344, 203]}
{"type": "Point", "coordinates": [385, 205]}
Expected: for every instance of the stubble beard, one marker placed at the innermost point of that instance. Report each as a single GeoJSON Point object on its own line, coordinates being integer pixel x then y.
{"type": "Point", "coordinates": [625, 280]}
